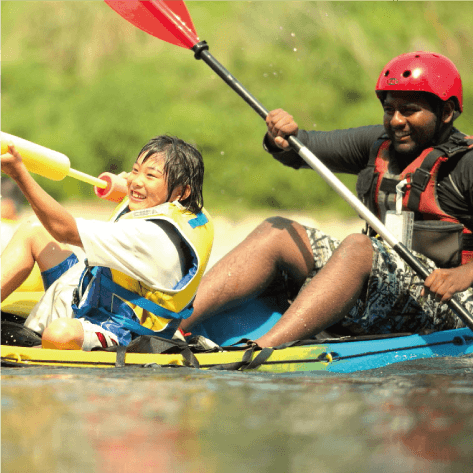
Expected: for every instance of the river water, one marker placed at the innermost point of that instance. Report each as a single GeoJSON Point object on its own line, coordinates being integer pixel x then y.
{"type": "Point", "coordinates": [409, 417]}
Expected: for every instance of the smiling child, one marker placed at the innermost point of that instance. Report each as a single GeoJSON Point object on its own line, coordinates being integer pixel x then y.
{"type": "Point", "coordinates": [142, 267]}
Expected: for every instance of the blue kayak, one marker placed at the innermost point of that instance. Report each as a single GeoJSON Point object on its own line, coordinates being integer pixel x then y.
{"type": "Point", "coordinates": [232, 329]}
{"type": "Point", "coordinates": [340, 355]}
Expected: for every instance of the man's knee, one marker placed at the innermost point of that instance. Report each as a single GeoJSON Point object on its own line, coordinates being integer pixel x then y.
{"type": "Point", "coordinates": [63, 334]}
{"type": "Point", "coordinates": [278, 223]}
{"type": "Point", "coordinates": [270, 231]}
{"type": "Point", "coordinates": [280, 228]}
{"type": "Point", "coordinates": [291, 245]}
{"type": "Point", "coordinates": [358, 247]}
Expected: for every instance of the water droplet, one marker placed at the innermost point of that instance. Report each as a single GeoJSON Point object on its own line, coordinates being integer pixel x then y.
{"type": "Point", "coordinates": [222, 152]}
{"type": "Point", "coordinates": [265, 75]}
{"type": "Point", "coordinates": [295, 49]}
{"type": "Point", "coordinates": [293, 34]}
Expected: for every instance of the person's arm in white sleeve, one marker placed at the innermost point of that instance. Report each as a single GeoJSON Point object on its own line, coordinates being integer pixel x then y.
{"type": "Point", "coordinates": [146, 251]}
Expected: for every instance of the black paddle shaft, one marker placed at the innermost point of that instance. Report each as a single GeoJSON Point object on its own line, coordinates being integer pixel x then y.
{"type": "Point", "coordinates": [201, 51]}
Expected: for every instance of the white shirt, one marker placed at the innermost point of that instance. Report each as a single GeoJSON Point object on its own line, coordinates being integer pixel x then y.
{"type": "Point", "coordinates": [147, 251]}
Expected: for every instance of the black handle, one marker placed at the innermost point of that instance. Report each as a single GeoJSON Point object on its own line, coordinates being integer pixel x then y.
{"type": "Point", "coordinates": [201, 51]}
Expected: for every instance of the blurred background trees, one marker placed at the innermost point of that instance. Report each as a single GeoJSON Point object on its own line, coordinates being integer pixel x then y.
{"type": "Point", "coordinates": [79, 79]}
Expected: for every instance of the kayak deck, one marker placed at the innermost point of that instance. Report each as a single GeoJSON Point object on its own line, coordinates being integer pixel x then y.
{"type": "Point", "coordinates": [289, 359]}
{"type": "Point", "coordinates": [333, 355]}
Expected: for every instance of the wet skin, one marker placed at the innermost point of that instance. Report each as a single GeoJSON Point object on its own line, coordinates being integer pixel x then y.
{"type": "Point", "coordinates": [410, 122]}
{"type": "Point", "coordinates": [147, 186]}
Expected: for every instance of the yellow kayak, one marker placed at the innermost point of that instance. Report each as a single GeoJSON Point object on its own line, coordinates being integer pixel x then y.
{"type": "Point", "coordinates": [291, 359]}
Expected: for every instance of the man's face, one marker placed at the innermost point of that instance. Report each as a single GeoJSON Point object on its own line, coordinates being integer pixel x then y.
{"type": "Point", "coordinates": [147, 185]}
{"type": "Point", "coordinates": [409, 122]}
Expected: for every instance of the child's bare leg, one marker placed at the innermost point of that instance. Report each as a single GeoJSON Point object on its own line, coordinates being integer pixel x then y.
{"type": "Point", "coordinates": [63, 334]}
{"type": "Point", "coordinates": [30, 243]}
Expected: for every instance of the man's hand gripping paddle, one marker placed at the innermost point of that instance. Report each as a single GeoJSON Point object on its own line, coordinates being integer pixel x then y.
{"type": "Point", "coordinates": [170, 21]}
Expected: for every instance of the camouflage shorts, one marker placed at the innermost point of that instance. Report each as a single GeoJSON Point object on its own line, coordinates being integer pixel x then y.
{"type": "Point", "coordinates": [392, 303]}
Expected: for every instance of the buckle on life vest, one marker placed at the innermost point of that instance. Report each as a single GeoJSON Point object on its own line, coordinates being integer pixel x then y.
{"type": "Point", "coordinates": [420, 179]}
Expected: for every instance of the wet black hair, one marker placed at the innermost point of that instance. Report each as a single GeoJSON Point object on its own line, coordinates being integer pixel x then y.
{"type": "Point", "coordinates": [183, 165]}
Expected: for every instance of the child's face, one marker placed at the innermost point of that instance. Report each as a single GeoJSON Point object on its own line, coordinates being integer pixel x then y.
{"type": "Point", "coordinates": [147, 185]}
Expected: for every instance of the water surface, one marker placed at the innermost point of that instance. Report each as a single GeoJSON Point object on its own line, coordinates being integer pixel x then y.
{"type": "Point", "coordinates": [412, 416]}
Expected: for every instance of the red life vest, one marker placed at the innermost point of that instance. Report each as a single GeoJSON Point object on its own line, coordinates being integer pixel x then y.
{"type": "Point", "coordinates": [433, 227]}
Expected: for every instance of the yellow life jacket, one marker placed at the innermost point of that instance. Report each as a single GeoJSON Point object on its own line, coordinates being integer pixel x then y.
{"type": "Point", "coordinates": [157, 311]}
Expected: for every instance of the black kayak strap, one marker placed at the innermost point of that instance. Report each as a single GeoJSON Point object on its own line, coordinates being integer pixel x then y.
{"type": "Point", "coordinates": [186, 353]}
{"type": "Point", "coordinates": [259, 359]}
{"type": "Point", "coordinates": [121, 352]}
{"type": "Point", "coordinates": [246, 362]}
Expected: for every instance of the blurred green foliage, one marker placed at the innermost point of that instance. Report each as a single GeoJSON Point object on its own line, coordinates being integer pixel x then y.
{"type": "Point", "coordinates": [79, 79]}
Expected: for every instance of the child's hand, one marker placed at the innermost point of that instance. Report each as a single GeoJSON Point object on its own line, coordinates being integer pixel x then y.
{"type": "Point", "coordinates": [11, 161]}
{"type": "Point", "coordinates": [124, 175]}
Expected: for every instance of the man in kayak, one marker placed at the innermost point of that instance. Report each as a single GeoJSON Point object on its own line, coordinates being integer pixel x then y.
{"type": "Point", "coordinates": [142, 267]}
{"type": "Point", "coordinates": [360, 285]}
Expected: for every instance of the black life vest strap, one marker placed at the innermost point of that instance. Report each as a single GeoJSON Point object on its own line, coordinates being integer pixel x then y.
{"type": "Point", "coordinates": [375, 149]}
{"type": "Point", "coordinates": [457, 143]}
{"type": "Point", "coordinates": [467, 242]}
{"type": "Point", "coordinates": [369, 175]}
{"type": "Point", "coordinates": [388, 185]}
{"type": "Point", "coordinates": [421, 177]}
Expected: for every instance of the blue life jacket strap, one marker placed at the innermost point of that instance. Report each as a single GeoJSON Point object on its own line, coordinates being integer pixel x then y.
{"type": "Point", "coordinates": [130, 324]}
{"type": "Point", "coordinates": [199, 220]}
{"type": "Point", "coordinates": [143, 302]}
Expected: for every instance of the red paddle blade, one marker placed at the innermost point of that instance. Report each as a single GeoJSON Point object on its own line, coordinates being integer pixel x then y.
{"type": "Point", "coordinates": [167, 20]}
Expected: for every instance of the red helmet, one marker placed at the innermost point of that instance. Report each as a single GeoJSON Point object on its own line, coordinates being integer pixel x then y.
{"type": "Point", "coordinates": [423, 72]}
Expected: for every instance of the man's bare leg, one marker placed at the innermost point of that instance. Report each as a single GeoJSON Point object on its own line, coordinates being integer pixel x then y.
{"type": "Point", "coordinates": [328, 297]}
{"type": "Point", "coordinates": [30, 243]}
{"type": "Point", "coordinates": [246, 271]}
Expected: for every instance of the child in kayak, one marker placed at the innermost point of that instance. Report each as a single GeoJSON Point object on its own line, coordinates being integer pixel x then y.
{"type": "Point", "coordinates": [360, 286]}
{"type": "Point", "coordinates": [142, 267]}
